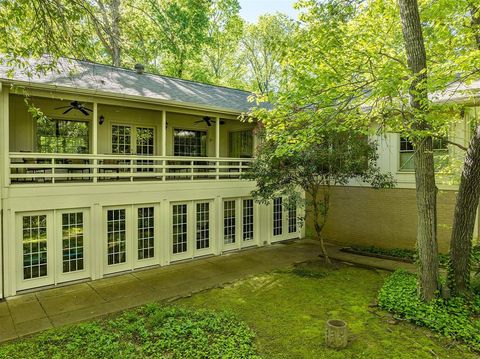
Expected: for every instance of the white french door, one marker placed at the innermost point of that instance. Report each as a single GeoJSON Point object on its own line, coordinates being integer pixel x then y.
{"type": "Point", "coordinates": [73, 245]}
{"type": "Point", "coordinates": [284, 221]}
{"type": "Point", "coordinates": [238, 223]}
{"type": "Point", "coordinates": [53, 247]}
{"type": "Point", "coordinates": [131, 239]}
{"type": "Point", "coordinates": [191, 229]}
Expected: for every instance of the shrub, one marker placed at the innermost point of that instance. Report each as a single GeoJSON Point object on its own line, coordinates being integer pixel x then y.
{"type": "Point", "coordinates": [453, 318]}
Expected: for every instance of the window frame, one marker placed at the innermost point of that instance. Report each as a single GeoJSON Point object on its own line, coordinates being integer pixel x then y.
{"type": "Point", "coordinates": [436, 151]}
{"type": "Point", "coordinates": [206, 131]}
{"type": "Point", "coordinates": [57, 119]}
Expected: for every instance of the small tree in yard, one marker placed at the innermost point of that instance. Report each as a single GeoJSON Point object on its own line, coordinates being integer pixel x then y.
{"type": "Point", "coordinates": [304, 175]}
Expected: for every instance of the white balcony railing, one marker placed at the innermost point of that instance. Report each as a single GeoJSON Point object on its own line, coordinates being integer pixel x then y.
{"type": "Point", "coordinates": [27, 167]}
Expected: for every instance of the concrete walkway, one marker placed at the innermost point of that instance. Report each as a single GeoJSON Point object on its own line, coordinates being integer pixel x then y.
{"type": "Point", "coordinates": [30, 313]}
{"type": "Point", "coordinates": [33, 312]}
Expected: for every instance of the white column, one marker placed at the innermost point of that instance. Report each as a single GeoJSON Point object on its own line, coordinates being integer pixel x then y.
{"type": "Point", "coordinates": [164, 142]}
{"type": "Point", "coordinates": [5, 136]}
{"type": "Point", "coordinates": [217, 144]}
{"type": "Point", "coordinates": [164, 133]}
{"type": "Point", "coordinates": [95, 140]}
{"type": "Point", "coordinates": [217, 137]}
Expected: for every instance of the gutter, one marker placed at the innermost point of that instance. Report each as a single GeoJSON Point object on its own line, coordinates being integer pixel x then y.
{"type": "Point", "coordinates": [120, 96]}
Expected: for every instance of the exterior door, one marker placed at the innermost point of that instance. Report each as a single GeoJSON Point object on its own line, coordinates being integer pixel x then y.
{"type": "Point", "coordinates": [203, 228]}
{"type": "Point", "coordinates": [145, 239]}
{"type": "Point", "coordinates": [35, 248]}
{"type": "Point", "coordinates": [145, 143]}
{"type": "Point", "coordinates": [72, 245]}
{"type": "Point", "coordinates": [180, 231]}
{"type": "Point", "coordinates": [248, 223]}
{"type": "Point", "coordinates": [117, 239]}
{"type": "Point", "coordinates": [191, 229]}
{"type": "Point", "coordinates": [284, 221]}
{"type": "Point", "coordinates": [231, 238]}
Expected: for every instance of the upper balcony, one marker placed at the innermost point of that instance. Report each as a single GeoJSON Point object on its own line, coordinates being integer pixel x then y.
{"type": "Point", "coordinates": [118, 143]}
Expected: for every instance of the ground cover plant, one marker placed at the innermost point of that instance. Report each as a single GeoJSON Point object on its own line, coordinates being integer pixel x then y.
{"type": "Point", "coordinates": [151, 331]}
{"type": "Point", "coordinates": [286, 310]}
{"type": "Point", "coordinates": [456, 318]}
{"type": "Point", "coordinates": [411, 255]}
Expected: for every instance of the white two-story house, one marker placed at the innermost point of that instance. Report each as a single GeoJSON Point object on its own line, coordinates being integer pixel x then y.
{"type": "Point", "coordinates": [117, 170]}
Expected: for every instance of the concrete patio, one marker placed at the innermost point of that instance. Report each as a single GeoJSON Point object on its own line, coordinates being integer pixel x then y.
{"type": "Point", "coordinates": [33, 312]}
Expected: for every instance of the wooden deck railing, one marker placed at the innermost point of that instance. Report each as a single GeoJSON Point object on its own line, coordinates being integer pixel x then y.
{"type": "Point", "coordinates": [26, 167]}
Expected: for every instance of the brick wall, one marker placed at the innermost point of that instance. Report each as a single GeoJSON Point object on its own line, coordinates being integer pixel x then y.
{"type": "Point", "coordinates": [382, 218]}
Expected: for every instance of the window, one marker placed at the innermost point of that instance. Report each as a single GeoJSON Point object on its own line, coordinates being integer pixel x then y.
{"type": "Point", "coordinates": [72, 242]}
{"type": "Point", "coordinates": [241, 144]}
{"type": "Point", "coordinates": [407, 163]}
{"type": "Point", "coordinates": [116, 236]}
{"type": "Point", "coordinates": [229, 222]}
{"type": "Point", "coordinates": [34, 242]}
{"type": "Point", "coordinates": [189, 143]}
{"type": "Point", "coordinates": [62, 136]}
{"type": "Point", "coordinates": [277, 216]}
{"type": "Point", "coordinates": [179, 229]}
{"type": "Point", "coordinates": [146, 234]}
{"type": "Point", "coordinates": [121, 139]}
{"type": "Point", "coordinates": [203, 225]}
{"type": "Point", "coordinates": [247, 219]}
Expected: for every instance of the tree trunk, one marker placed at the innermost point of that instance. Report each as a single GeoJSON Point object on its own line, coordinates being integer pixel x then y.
{"type": "Point", "coordinates": [426, 190]}
{"type": "Point", "coordinates": [467, 203]}
{"type": "Point", "coordinates": [115, 33]}
{"type": "Point", "coordinates": [319, 219]}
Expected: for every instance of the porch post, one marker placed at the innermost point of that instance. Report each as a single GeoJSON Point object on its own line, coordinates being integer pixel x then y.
{"type": "Point", "coordinates": [5, 135]}
{"type": "Point", "coordinates": [95, 140]}
{"type": "Point", "coordinates": [164, 143]}
{"type": "Point", "coordinates": [217, 145]}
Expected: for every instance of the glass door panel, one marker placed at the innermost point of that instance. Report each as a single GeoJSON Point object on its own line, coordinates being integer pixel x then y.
{"type": "Point", "coordinates": [202, 228]}
{"type": "Point", "coordinates": [145, 147]}
{"type": "Point", "coordinates": [117, 238]}
{"type": "Point", "coordinates": [180, 232]}
{"type": "Point", "coordinates": [72, 246]}
{"type": "Point", "coordinates": [247, 221]}
{"type": "Point", "coordinates": [35, 246]}
{"type": "Point", "coordinates": [145, 237]}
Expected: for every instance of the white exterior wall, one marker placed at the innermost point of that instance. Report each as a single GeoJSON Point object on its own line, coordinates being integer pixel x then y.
{"type": "Point", "coordinates": [94, 199]}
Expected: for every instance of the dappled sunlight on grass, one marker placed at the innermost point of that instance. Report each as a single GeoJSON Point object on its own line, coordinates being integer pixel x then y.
{"type": "Point", "coordinates": [288, 311]}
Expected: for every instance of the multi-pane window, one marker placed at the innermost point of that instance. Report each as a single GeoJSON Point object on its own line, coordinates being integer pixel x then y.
{"type": "Point", "coordinates": [34, 242]}
{"type": "Point", "coordinates": [241, 144]}
{"type": "Point", "coordinates": [72, 242]}
{"type": "Point", "coordinates": [247, 219]}
{"type": "Point", "coordinates": [146, 232]}
{"type": "Point", "coordinates": [62, 136]}
{"type": "Point", "coordinates": [179, 228]}
{"type": "Point", "coordinates": [121, 139]}
{"type": "Point", "coordinates": [116, 236]}
{"type": "Point", "coordinates": [292, 219]}
{"type": "Point", "coordinates": [229, 222]}
{"type": "Point", "coordinates": [277, 216]}
{"type": "Point", "coordinates": [407, 162]}
{"type": "Point", "coordinates": [189, 143]}
{"type": "Point", "coordinates": [145, 147]}
{"type": "Point", "coordinates": [203, 225]}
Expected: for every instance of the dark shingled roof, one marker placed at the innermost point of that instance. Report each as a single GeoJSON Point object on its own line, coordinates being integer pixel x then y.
{"type": "Point", "coordinates": [112, 80]}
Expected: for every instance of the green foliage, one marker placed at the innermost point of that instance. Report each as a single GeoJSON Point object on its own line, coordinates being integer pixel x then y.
{"type": "Point", "coordinates": [456, 318]}
{"type": "Point", "coordinates": [147, 332]}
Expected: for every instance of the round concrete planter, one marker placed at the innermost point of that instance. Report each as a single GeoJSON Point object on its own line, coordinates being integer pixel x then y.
{"type": "Point", "coordinates": [336, 335]}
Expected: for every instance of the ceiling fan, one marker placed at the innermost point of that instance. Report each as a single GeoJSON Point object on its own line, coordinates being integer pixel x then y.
{"type": "Point", "coordinates": [75, 105]}
{"type": "Point", "coordinates": [209, 121]}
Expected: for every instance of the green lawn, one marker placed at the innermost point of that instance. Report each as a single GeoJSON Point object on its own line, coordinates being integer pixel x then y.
{"type": "Point", "coordinates": [288, 314]}
{"type": "Point", "coordinates": [275, 315]}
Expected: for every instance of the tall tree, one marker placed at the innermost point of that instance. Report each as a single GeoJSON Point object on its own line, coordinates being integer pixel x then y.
{"type": "Point", "coordinates": [180, 33]}
{"type": "Point", "coordinates": [264, 47]}
{"type": "Point", "coordinates": [467, 198]}
{"type": "Point", "coordinates": [220, 55]}
{"type": "Point", "coordinates": [108, 28]}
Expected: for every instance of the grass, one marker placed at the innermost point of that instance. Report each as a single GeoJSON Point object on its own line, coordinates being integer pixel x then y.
{"type": "Point", "coordinates": [288, 312]}
{"type": "Point", "coordinates": [275, 315]}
